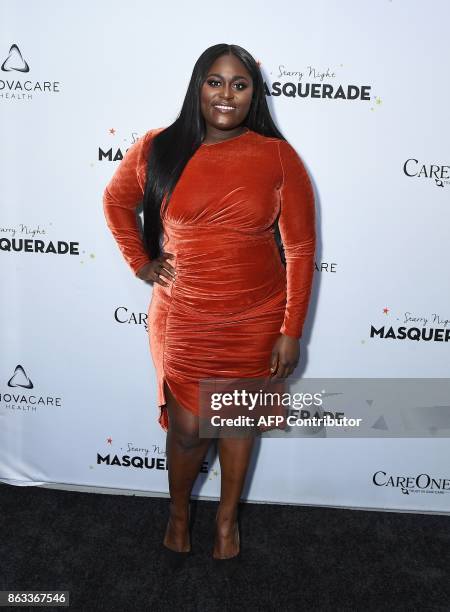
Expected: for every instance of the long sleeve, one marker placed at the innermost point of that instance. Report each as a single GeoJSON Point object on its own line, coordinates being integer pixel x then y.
{"type": "Point", "coordinates": [297, 230]}
{"type": "Point", "coordinates": [121, 197]}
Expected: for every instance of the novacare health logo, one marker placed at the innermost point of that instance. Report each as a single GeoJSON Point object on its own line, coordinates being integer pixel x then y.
{"type": "Point", "coordinates": [13, 88]}
{"type": "Point", "coordinates": [20, 398]}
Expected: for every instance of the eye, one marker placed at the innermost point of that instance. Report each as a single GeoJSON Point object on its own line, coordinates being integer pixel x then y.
{"type": "Point", "coordinates": [240, 85]}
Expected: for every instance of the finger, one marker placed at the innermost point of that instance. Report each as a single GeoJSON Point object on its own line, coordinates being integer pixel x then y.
{"type": "Point", "coordinates": [167, 265]}
{"type": "Point", "coordinates": [170, 270]}
{"type": "Point", "coordinates": [282, 371]}
{"type": "Point", "coordinates": [158, 279]}
{"type": "Point", "coordinates": [161, 282]}
{"type": "Point", "coordinates": [293, 367]}
{"type": "Point", "coordinates": [273, 364]}
{"type": "Point", "coordinates": [290, 369]}
{"type": "Point", "coordinates": [278, 374]}
{"type": "Point", "coordinates": [163, 272]}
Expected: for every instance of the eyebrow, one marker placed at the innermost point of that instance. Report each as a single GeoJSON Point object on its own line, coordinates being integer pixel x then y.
{"type": "Point", "coordinates": [236, 76]}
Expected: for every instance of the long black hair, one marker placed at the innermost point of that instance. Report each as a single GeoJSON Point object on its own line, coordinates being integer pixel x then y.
{"type": "Point", "coordinates": [172, 148]}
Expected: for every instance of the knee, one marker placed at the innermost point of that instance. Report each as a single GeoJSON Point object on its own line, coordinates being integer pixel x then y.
{"type": "Point", "coordinates": [186, 439]}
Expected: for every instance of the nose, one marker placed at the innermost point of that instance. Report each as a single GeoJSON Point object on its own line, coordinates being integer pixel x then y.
{"type": "Point", "coordinates": [227, 91]}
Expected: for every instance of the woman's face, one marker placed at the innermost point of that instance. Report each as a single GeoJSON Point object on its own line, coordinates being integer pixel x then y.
{"type": "Point", "coordinates": [227, 84]}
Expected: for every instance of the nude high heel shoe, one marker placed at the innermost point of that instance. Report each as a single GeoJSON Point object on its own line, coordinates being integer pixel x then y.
{"type": "Point", "coordinates": [174, 559]}
{"type": "Point", "coordinates": [234, 557]}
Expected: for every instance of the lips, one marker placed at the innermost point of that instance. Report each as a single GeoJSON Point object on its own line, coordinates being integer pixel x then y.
{"type": "Point", "coordinates": [224, 108]}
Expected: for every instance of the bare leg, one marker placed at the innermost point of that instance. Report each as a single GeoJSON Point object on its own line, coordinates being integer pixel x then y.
{"type": "Point", "coordinates": [234, 456]}
{"type": "Point", "coordinates": [185, 454]}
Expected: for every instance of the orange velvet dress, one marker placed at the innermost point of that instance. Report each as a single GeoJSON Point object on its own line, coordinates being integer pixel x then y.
{"type": "Point", "coordinates": [232, 296]}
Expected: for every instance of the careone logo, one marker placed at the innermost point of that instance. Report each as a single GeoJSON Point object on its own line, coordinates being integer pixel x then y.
{"type": "Point", "coordinates": [18, 400]}
{"type": "Point", "coordinates": [13, 87]}
{"type": "Point", "coordinates": [113, 152]}
{"type": "Point", "coordinates": [438, 173]}
{"type": "Point", "coordinates": [125, 316]}
{"type": "Point", "coordinates": [307, 81]}
{"type": "Point", "coordinates": [433, 327]}
{"type": "Point", "coordinates": [419, 484]}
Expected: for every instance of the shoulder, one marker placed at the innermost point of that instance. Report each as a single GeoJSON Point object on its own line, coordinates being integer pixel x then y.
{"type": "Point", "coordinates": [279, 152]}
{"type": "Point", "coordinates": [280, 147]}
{"type": "Point", "coordinates": [285, 148]}
{"type": "Point", "coordinates": [149, 134]}
{"type": "Point", "coordinates": [261, 139]}
{"type": "Point", "coordinates": [288, 155]}
{"type": "Point", "coordinates": [138, 151]}
{"type": "Point", "coordinates": [291, 164]}
{"type": "Point", "coordinates": [146, 138]}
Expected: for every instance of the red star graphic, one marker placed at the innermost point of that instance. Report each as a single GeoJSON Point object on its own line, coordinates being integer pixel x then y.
{"type": "Point", "coordinates": [112, 131]}
{"type": "Point", "coordinates": [109, 440]}
{"type": "Point", "coordinates": [385, 310]}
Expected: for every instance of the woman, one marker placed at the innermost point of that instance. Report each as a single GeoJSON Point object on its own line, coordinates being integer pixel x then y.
{"type": "Point", "coordinates": [215, 184]}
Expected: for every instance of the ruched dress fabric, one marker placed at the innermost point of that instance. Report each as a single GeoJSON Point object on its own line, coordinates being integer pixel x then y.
{"type": "Point", "coordinates": [232, 296]}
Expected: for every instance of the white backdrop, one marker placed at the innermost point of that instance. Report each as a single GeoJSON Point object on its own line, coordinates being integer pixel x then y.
{"type": "Point", "coordinates": [77, 385]}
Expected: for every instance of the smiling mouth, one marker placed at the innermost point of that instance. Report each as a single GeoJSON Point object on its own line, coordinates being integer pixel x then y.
{"type": "Point", "coordinates": [224, 108]}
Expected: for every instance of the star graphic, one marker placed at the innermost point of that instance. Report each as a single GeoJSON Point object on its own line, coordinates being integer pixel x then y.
{"type": "Point", "coordinates": [109, 440]}
{"type": "Point", "coordinates": [112, 131]}
{"type": "Point", "coordinates": [385, 310]}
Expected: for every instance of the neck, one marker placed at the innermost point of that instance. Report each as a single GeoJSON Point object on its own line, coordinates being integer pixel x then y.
{"type": "Point", "coordinates": [217, 135]}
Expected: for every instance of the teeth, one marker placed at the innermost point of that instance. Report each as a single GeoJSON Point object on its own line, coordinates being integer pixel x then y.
{"type": "Point", "coordinates": [224, 107]}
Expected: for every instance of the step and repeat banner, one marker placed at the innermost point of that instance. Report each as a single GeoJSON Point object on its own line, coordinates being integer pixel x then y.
{"type": "Point", "coordinates": [360, 90]}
